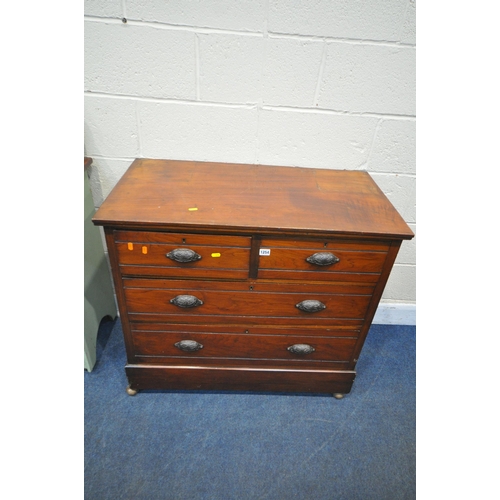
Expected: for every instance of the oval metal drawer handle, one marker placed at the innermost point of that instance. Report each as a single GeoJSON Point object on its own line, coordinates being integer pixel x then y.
{"type": "Point", "coordinates": [183, 255]}
{"type": "Point", "coordinates": [301, 349]}
{"type": "Point", "coordinates": [188, 345]}
{"type": "Point", "coordinates": [186, 301]}
{"type": "Point", "coordinates": [323, 259]}
{"type": "Point", "coordinates": [310, 306]}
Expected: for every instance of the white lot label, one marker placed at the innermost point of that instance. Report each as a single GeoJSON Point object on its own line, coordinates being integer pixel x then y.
{"type": "Point", "coordinates": [265, 251]}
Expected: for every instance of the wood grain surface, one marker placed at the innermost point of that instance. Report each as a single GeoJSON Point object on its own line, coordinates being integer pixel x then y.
{"type": "Point", "coordinates": [159, 193]}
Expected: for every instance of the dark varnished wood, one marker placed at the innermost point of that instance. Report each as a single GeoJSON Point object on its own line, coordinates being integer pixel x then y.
{"type": "Point", "coordinates": [302, 321]}
{"type": "Point", "coordinates": [268, 364]}
{"type": "Point", "coordinates": [214, 261]}
{"type": "Point", "coordinates": [250, 197]}
{"type": "Point", "coordinates": [377, 294]}
{"type": "Point", "coordinates": [242, 329]}
{"type": "Point", "coordinates": [243, 378]}
{"type": "Point", "coordinates": [222, 301]}
{"type": "Point", "coordinates": [288, 259]}
{"type": "Point", "coordinates": [182, 239]}
{"type": "Point", "coordinates": [237, 345]}
{"type": "Point", "coordinates": [184, 271]}
{"type": "Point", "coordinates": [327, 244]}
{"type": "Point", "coordinates": [243, 319]}
{"type": "Point", "coordinates": [150, 254]}
{"type": "Point", "coordinates": [295, 259]}
{"type": "Point", "coordinates": [120, 294]}
{"type": "Point", "coordinates": [267, 286]}
{"type": "Point", "coordinates": [157, 255]}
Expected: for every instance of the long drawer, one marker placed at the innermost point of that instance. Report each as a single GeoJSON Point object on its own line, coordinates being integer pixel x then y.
{"type": "Point", "coordinates": [214, 344]}
{"type": "Point", "coordinates": [215, 302]}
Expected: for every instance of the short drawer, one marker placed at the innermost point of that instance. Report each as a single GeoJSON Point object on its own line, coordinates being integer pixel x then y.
{"type": "Point", "coordinates": [143, 253]}
{"type": "Point", "coordinates": [213, 343]}
{"type": "Point", "coordinates": [225, 301]}
{"type": "Point", "coordinates": [321, 260]}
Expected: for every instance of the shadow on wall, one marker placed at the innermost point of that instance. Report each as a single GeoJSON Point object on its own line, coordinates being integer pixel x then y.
{"type": "Point", "coordinates": [93, 170]}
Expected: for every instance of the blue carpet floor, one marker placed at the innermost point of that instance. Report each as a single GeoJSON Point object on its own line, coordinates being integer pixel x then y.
{"type": "Point", "coordinates": [237, 446]}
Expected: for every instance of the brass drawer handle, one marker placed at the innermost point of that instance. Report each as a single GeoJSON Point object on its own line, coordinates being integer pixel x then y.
{"type": "Point", "coordinates": [186, 301]}
{"type": "Point", "coordinates": [183, 255]}
{"type": "Point", "coordinates": [310, 306]}
{"type": "Point", "coordinates": [323, 259]}
{"type": "Point", "coordinates": [301, 349]}
{"type": "Point", "coordinates": [188, 345]}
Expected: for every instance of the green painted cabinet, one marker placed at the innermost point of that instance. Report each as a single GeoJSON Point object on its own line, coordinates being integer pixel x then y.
{"type": "Point", "coordinates": [99, 300]}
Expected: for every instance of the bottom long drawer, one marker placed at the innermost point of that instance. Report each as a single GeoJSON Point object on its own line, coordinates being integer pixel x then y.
{"type": "Point", "coordinates": [238, 379]}
{"type": "Point", "coordinates": [193, 342]}
{"type": "Point", "coordinates": [226, 345]}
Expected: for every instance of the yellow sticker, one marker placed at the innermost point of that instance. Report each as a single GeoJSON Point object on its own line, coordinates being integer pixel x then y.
{"type": "Point", "coordinates": [192, 209]}
{"type": "Point", "coordinates": [130, 246]}
{"type": "Point", "coordinates": [144, 250]}
{"type": "Point", "coordinates": [216, 254]}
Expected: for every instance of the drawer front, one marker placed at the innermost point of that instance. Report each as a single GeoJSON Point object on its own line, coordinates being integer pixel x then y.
{"type": "Point", "coordinates": [188, 344]}
{"type": "Point", "coordinates": [316, 260]}
{"type": "Point", "coordinates": [182, 255]}
{"type": "Point", "coordinates": [214, 301]}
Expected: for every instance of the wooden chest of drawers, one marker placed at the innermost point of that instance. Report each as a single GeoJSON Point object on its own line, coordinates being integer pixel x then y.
{"type": "Point", "coordinates": [247, 277]}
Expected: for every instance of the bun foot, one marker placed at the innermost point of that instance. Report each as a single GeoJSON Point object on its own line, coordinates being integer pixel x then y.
{"type": "Point", "coordinates": [337, 395]}
{"type": "Point", "coordinates": [130, 391]}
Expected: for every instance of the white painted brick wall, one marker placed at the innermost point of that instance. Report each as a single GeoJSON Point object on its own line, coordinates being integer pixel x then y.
{"type": "Point", "coordinates": [325, 84]}
{"type": "Point", "coordinates": [291, 71]}
{"type": "Point", "coordinates": [103, 8]}
{"type": "Point", "coordinates": [197, 132]}
{"type": "Point", "coordinates": [350, 19]}
{"type": "Point", "coordinates": [394, 147]}
{"type": "Point", "coordinates": [230, 68]}
{"type": "Point", "coordinates": [314, 139]}
{"type": "Point", "coordinates": [110, 127]}
{"type": "Point", "coordinates": [369, 78]}
{"type": "Point", "coordinates": [242, 15]}
{"type": "Point", "coordinates": [139, 61]}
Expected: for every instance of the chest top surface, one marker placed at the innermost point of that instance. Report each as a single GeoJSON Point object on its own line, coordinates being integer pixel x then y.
{"type": "Point", "coordinates": [221, 196]}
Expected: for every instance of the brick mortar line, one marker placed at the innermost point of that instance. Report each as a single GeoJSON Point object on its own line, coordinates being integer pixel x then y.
{"type": "Point", "coordinates": [375, 132]}
{"type": "Point", "coordinates": [322, 65]}
{"type": "Point", "coordinates": [197, 66]}
{"type": "Point", "coordinates": [260, 34]}
{"type": "Point", "coordinates": [173, 27]}
{"type": "Point", "coordinates": [402, 302]}
{"type": "Point", "coordinates": [139, 129]}
{"type": "Point", "coordinates": [394, 174]}
{"type": "Point", "coordinates": [351, 41]}
{"type": "Point", "coordinates": [168, 100]}
{"type": "Point", "coordinates": [324, 111]}
{"type": "Point", "coordinates": [112, 158]}
{"type": "Point", "coordinates": [255, 105]}
{"type": "Point", "coordinates": [260, 104]}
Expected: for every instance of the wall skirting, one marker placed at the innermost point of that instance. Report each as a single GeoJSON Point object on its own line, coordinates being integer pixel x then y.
{"type": "Point", "coordinates": [396, 314]}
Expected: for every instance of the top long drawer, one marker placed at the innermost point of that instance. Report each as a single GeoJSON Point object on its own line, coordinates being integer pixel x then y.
{"type": "Point", "coordinates": [148, 253]}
